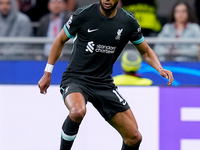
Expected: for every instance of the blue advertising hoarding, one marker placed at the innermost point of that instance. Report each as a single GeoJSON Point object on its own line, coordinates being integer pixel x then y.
{"type": "Point", "coordinates": [29, 72]}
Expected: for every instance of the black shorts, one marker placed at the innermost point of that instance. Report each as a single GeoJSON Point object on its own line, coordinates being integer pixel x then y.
{"type": "Point", "coordinates": [108, 102]}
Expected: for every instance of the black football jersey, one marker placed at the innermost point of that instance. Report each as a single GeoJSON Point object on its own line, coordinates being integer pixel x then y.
{"type": "Point", "coordinates": [98, 41]}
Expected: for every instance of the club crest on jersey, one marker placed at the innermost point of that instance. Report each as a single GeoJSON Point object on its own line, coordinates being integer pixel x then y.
{"type": "Point", "coordinates": [90, 47]}
{"type": "Point", "coordinates": [119, 33]}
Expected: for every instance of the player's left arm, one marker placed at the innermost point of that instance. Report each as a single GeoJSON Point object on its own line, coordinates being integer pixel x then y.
{"type": "Point", "coordinates": [152, 59]}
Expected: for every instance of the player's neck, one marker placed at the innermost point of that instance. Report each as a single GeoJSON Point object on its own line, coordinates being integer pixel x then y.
{"type": "Point", "coordinates": [109, 14]}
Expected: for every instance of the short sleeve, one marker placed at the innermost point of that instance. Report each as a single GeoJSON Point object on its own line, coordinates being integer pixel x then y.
{"type": "Point", "coordinates": [75, 21]}
{"type": "Point", "coordinates": [72, 25]}
{"type": "Point", "coordinates": [136, 33]}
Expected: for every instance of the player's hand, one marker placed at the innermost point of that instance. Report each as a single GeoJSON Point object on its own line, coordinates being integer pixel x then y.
{"type": "Point", "coordinates": [44, 82]}
{"type": "Point", "coordinates": [167, 74]}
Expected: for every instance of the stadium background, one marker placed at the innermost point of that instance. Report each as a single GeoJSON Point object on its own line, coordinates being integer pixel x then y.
{"type": "Point", "coordinates": [163, 6]}
{"type": "Point", "coordinates": [168, 117]}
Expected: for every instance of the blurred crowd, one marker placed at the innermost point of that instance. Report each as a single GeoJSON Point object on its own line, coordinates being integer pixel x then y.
{"type": "Point", "coordinates": [45, 18]}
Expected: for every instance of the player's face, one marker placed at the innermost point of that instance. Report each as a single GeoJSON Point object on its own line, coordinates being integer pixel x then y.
{"type": "Point", "coordinates": [56, 6]}
{"type": "Point", "coordinates": [108, 5]}
{"type": "Point", "coordinates": [181, 13]}
{"type": "Point", "coordinates": [5, 7]}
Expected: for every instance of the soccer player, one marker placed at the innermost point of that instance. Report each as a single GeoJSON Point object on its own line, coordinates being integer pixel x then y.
{"type": "Point", "coordinates": [100, 32]}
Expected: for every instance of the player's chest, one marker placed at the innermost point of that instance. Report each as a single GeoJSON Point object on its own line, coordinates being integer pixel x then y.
{"type": "Point", "coordinates": [110, 32]}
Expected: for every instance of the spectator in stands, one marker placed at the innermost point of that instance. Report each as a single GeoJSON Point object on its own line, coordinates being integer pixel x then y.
{"type": "Point", "coordinates": [52, 23]}
{"type": "Point", "coordinates": [13, 24]}
{"type": "Point", "coordinates": [145, 12]}
{"type": "Point", "coordinates": [131, 63]}
{"type": "Point", "coordinates": [182, 25]}
{"type": "Point", "coordinates": [35, 9]}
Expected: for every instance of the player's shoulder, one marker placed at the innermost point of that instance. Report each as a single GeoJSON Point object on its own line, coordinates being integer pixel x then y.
{"type": "Point", "coordinates": [85, 9]}
{"type": "Point", "coordinates": [126, 15]}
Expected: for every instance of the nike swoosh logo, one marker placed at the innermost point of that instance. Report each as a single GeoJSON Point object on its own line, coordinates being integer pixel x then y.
{"type": "Point", "coordinates": [89, 31]}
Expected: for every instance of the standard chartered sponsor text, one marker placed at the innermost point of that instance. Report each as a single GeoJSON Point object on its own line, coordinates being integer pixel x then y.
{"type": "Point", "coordinates": [105, 49]}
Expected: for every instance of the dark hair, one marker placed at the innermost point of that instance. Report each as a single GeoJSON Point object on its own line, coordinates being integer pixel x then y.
{"type": "Point", "coordinates": [191, 15]}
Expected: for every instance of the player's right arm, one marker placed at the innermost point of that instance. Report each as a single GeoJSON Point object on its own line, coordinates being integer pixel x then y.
{"type": "Point", "coordinates": [53, 57]}
{"type": "Point", "coordinates": [69, 30]}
